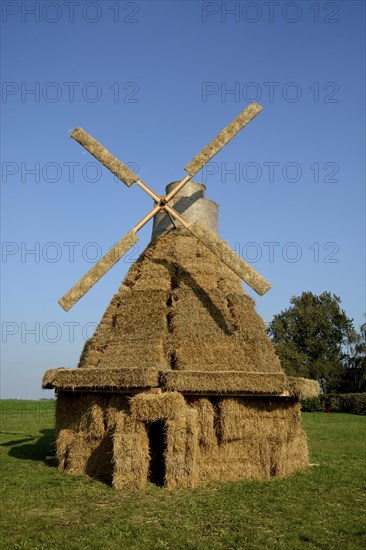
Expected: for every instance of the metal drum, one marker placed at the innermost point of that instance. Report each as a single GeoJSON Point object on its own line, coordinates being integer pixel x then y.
{"type": "Point", "coordinates": [190, 202]}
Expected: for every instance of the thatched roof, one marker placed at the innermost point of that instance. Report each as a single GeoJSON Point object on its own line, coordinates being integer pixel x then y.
{"type": "Point", "coordinates": [181, 308]}
{"type": "Point", "coordinates": [181, 321]}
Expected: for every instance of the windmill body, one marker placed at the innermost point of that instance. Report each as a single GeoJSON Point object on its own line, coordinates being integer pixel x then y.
{"type": "Point", "coordinates": [180, 384]}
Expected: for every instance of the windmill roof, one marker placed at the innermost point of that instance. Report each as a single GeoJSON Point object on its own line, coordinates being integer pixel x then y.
{"type": "Point", "coordinates": [180, 320]}
{"type": "Point", "coordinates": [181, 308]}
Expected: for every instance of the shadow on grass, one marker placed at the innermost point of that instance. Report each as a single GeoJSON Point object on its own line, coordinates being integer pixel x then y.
{"type": "Point", "coordinates": [42, 447]}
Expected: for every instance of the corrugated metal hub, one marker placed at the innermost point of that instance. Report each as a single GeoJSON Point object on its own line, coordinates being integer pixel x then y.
{"type": "Point", "coordinates": [191, 203]}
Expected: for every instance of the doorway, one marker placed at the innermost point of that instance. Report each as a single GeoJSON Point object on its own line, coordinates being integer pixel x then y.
{"type": "Point", "coordinates": [157, 448]}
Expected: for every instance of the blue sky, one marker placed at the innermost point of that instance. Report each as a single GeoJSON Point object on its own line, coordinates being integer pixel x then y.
{"type": "Point", "coordinates": [154, 82]}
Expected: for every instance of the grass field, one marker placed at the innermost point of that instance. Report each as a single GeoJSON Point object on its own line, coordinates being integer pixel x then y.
{"type": "Point", "coordinates": [322, 507]}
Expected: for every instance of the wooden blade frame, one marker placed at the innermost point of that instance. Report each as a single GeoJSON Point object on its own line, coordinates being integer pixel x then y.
{"type": "Point", "coordinates": [104, 264]}
{"type": "Point", "coordinates": [96, 149]}
{"type": "Point", "coordinates": [128, 177]}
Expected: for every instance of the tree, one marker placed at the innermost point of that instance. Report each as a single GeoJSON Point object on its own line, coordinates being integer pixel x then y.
{"type": "Point", "coordinates": [310, 338]}
{"type": "Point", "coordinates": [355, 376]}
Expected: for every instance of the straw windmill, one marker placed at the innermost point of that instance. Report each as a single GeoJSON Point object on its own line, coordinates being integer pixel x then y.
{"type": "Point", "coordinates": [179, 383]}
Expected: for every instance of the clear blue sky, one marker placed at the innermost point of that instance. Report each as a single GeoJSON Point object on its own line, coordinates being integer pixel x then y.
{"type": "Point", "coordinates": [154, 82]}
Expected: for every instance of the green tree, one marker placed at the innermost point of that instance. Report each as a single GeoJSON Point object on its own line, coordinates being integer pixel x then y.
{"type": "Point", "coordinates": [310, 338]}
{"type": "Point", "coordinates": [355, 376]}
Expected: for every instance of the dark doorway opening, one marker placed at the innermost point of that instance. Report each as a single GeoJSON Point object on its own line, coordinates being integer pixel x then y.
{"type": "Point", "coordinates": [157, 444]}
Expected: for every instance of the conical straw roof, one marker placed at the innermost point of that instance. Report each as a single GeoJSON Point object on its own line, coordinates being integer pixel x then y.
{"type": "Point", "coordinates": [181, 308]}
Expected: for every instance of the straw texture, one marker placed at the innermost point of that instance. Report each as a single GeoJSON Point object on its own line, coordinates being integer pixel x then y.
{"type": "Point", "coordinates": [181, 308]}
{"type": "Point", "coordinates": [222, 382]}
{"type": "Point", "coordinates": [100, 378]}
{"type": "Point", "coordinates": [205, 439]}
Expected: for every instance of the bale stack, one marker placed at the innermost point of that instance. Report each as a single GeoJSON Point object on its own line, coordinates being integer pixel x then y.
{"type": "Point", "coordinates": [179, 383]}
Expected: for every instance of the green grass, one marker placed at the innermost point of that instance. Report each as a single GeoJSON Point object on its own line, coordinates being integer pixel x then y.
{"type": "Point", "coordinates": [322, 507]}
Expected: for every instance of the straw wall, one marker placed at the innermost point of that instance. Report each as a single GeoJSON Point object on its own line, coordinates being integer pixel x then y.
{"type": "Point", "coordinates": [205, 439]}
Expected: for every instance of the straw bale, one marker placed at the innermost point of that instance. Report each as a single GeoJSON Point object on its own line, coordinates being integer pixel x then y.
{"type": "Point", "coordinates": [232, 420]}
{"type": "Point", "coordinates": [100, 462]}
{"type": "Point", "coordinates": [149, 407]}
{"type": "Point", "coordinates": [287, 457]}
{"type": "Point", "coordinates": [89, 353]}
{"type": "Point", "coordinates": [242, 417]}
{"type": "Point", "coordinates": [302, 388]}
{"type": "Point", "coordinates": [192, 256]}
{"type": "Point", "coordinates": [100, 378]}
{"type": "Point", "coordinates": [205, 422]}
{"type": "Point", "coordinates": [81, 413]}
{"type": "Point", "coordinates": [132, 352]}
{"type": "Point", "coordinates": [153, 275]}
{"type": "Point", "coordinates": [130, 453]}
{"type": "Point", "coordinates": [64, 440]}
{"type": "Point", "coordinates": [117, 403]}
{"type": "Point", "coordinates": [138, 310]}
{"type": "Point", "coordinates": [206, 440]}
{"type": "Point", "coordinates": [74, 451]}
{"type": "Point", "coordinates": [83, 444]}
{"type": "Point", "coordinates": [221, 382]}
{"type": "Point", "coordinates": [210, 326]}
{"type": "Point", "coordinates": [230, 462]}
{"type": "Point", "coordinates": [297, 454]}
{"type": "Point", "coordinates": [181, 451]}
{"type": "Point", "coordinates": [142, 320]}
{"type": "Point", "coordinates": [198, 310]}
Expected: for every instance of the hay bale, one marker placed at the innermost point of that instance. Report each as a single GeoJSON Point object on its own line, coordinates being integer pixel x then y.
{"type": "Point", "coordinates": [288, 457]}
{"type": "Point", "coordinates": [83, 444]}
{"type": "Point", "coordinates": [82, 412]}
{"type": "Point", "coordinates": [130, 453]}
{"type": "Point", "coordinates": [132, 328]}
{"type": "Point", "coordinates": [149, 407]}
{"type": "Point", "coordinates": [236, 438]}
{"type": "Point", "coordinates": [205, 423]}
{"type": "Point", "coordinates": [114, 379]}
{"type": "Point", "coordinates": [64, 441]}
{"type": "Point", "coordinates": [297, 454]}
{"type": "Point", "coordinates": [222, 353]}
{"type": "Point", "coordinates": [74, 451]}
{"type": "Point", "coordinates": [223, 382]}
{"type": "Point", "coordinates": [230, 462]}
{"type": "Point", "coordinates": [232, 421]}
{"type": "Point", "coordinates": [181, 453]}
{"type": "Point", "coordinates": [302, 388]}
{"type": "Point", "coordinates": [241, 418]}
{"type": "Point", "coordinates": [117, 403]}
{"type": "Point", "coordinates": [100, 461]}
